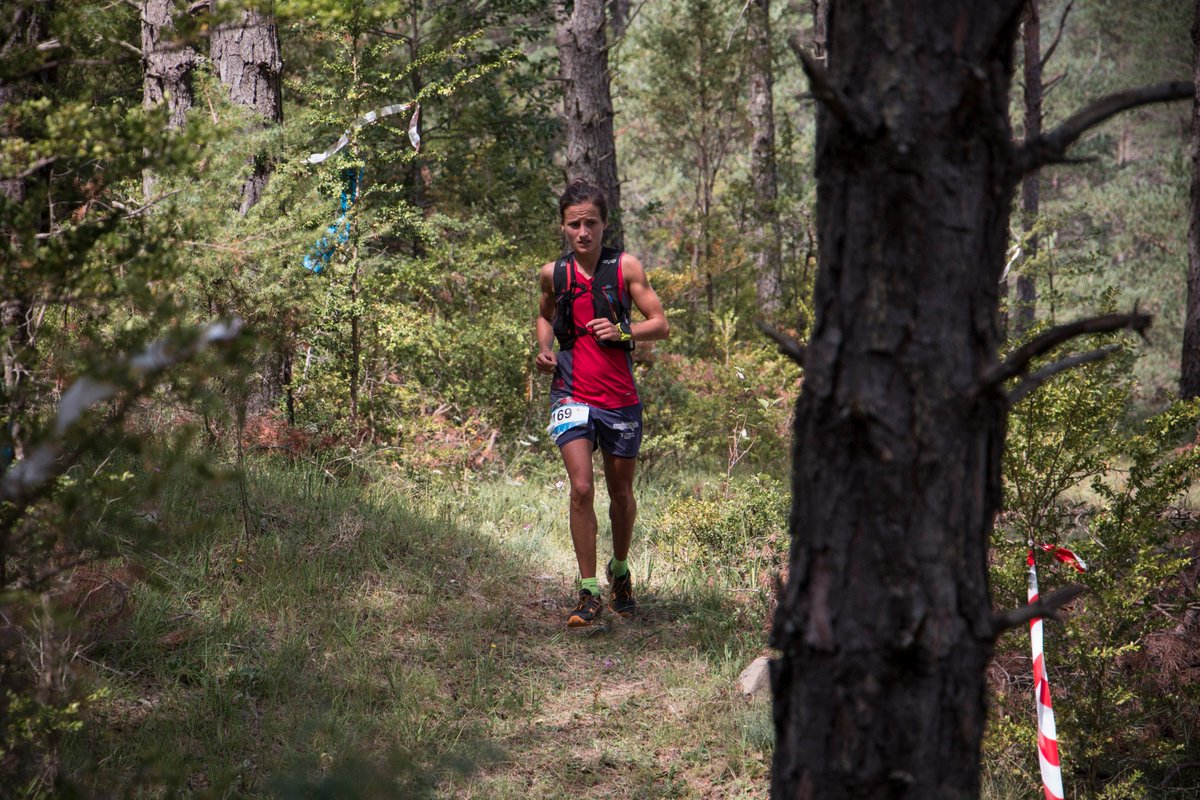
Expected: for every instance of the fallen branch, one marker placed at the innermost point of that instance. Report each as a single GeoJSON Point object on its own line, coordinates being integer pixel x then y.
{"type": "Point", "coordinates": [1019, 360]}
{"type": "Point", "coordinates": [1047, 607]}
{"type": "Point", "coordinates": [1051, 147]}
{"type": "Point", "coordinates": [787, 345]}
{"type": "Point", "coordinates": [1036, 379]}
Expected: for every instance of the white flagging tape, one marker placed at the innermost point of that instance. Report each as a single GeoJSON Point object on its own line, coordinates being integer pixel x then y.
{"type": "Point", "coordinates": [414, 134]}
{"type": "Point", "coordinates": [1047, 740]}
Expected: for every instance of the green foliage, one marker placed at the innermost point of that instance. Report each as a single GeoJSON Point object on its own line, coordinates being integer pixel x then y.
{"type": "Point", "coordinates": [684, 144]}
{"type": "Point", "coordinates": [739, 526]}
{"type": "Point", "coordinates": [733, 411]}
{"type": "Point", "coordinates": [1076, 476]}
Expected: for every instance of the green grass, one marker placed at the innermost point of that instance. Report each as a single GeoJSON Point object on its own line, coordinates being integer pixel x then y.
{"type": "Point", "coordinates": [372, 638]}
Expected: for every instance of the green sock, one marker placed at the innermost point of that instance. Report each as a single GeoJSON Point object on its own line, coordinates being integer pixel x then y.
{"type": "Point", "coordinates": [590, 584]}
{"type": "Point", "coordinates": [619, 568]}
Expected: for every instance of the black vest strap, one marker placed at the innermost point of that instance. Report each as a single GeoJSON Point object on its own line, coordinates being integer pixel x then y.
{"type": "Point", "coordinates": [608, 299]}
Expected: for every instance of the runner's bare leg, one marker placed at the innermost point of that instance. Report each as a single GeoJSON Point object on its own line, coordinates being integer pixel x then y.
{"type": "Point", "coordinates": [622, 506]}
{"type": "Point", "coordinates": [577, 456]}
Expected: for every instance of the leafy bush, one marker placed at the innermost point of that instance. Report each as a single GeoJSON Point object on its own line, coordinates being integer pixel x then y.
{"type": "Point", "coordinates": [731, 410]}
{"type": "Point", "coordinates": [739, 526]}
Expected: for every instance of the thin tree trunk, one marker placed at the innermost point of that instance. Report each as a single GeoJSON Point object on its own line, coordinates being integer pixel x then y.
{"type": "Point", "coordinates": [1189, 384]}
{"type": "Point", "coordinates": [587, 103]}
{"type": "Point", "coordinates": [420, 179]}
{"type": "Point", "coordinates": [1026, 300]}
{"type": "Point", "coordinates": [884, 628]}
{"type": "Point", "coordinates": [246, 55]}
{"type": "Point", "coordinates": [766, 234]}
{"type": "Point", "coordinates": [355, 335]}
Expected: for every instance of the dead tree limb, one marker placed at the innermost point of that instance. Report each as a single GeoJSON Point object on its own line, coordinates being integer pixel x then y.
{"type": "Point", "coordinates": [1036, 379]}
{"type": "Point", "coordinates": [1062, 23]}
{"type": "Point", "coordinates": [1047, 607]}
{"type": "Point", "coordinates": [1051, 147]}
{"type": "Point", "coordinates": [787, 345]}
{"type": "Point", "coordinates": [1019, 360]}
{"type": "Point", "coordinates": [826, 93]}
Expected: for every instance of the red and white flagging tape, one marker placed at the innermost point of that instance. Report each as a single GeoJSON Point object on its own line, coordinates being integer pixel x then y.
{"type": "Point", "coordinates": [1047, 734]}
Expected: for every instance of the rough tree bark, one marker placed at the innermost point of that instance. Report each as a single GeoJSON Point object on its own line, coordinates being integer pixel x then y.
{"type": "Point", "coordinates": [1026, 295]}
{"type": "Point", "coordinates": [820, 12]}
{"type": "Point", "coordinates": [1189, 383]}
{"type": "Point", "coordinates": [587, 103]}
{"type": "Point", "coordinates": [167, 64]}
{"type": "Point", "coordinates": [167, 68]}
{"type": "Point", "coordinates": [765, 236]}
{"type": "Point", "coordinates": [245, 52]}
{"type": "Point", "coordinates": [244, 49]}
{"type": "Point", "coordinates": [885, 625]}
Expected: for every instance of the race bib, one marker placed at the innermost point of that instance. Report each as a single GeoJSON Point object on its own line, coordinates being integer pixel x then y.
{"type": "Point", "coordinates": [566, 416]}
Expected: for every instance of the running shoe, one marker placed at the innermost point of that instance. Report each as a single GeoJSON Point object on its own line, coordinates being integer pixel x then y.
{"type": "Point", "coordinates": [622, 592]}
{"type": "Point", "coordinates": [587, 612]}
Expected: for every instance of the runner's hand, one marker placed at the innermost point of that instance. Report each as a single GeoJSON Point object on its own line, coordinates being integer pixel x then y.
{"type": "Point", "coordinates": [604, 330]}
{"type": "Point", "coordinates": [546, 361]}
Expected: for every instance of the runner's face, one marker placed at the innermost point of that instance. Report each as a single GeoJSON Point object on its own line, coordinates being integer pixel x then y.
{"type": "Point", "coordinates": [583, 228]}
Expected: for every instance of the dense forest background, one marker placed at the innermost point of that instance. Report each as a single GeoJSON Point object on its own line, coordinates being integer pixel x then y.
{"type": "Point", "coordinates": [279, 516]}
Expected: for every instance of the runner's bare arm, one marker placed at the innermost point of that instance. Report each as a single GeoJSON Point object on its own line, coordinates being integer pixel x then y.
{"type": "Point", "coordinates": [546, 360]}
{"type": "Point", "coordinates": [654, 326]}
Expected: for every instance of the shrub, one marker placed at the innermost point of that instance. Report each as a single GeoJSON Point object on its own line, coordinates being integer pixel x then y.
{"type": "Point", "coordinates": [739, 526]}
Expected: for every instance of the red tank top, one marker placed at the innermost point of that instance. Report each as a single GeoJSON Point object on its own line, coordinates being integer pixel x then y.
{"type": "Point", "coordinates": [598, 376]}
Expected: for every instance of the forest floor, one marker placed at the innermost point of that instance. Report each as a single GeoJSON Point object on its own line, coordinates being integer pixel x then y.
{"type": "Point", "coordinates": [350, 637]}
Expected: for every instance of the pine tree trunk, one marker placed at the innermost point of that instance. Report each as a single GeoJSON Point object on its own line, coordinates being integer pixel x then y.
{"type": "Point", "coordinates": [167, 63]}
{"type": "Point", "coordinates": [884, 627]}
{"type": "Point", "coordinates": [420, 180]}
{"type": "Point", "coordinates": [246, 55]}
{"type": "Point", "coordinates": [587, 104]}
{"type": "Point", "coordinates": [167, 67]}
{"type": "Point", "coordinates": [244, 50]}
{"type": "Point", "coordinates": [1189, 384]}
{"type": "Point", "coordinates": [1026, 300]}
{"type": "Point", "coordinates": [766, 234]}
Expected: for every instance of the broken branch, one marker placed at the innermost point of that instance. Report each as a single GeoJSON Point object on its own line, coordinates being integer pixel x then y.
{"type": "Point", "coordinates": [1062, 23]}
{"type": "Point", "coordinates": [787, 345]}
{"type": "Point", "coordinates": [823, 89]}
{"type": "Point", "coordinates": [1047, 607]}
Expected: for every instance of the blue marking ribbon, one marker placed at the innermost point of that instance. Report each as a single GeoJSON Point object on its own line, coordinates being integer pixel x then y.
{"type": "Point", "coordinates": [338, 233]}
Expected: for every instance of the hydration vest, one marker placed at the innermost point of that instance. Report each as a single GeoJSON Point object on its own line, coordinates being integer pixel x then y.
{"type": "Point", "coordinates": [608, 300]}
